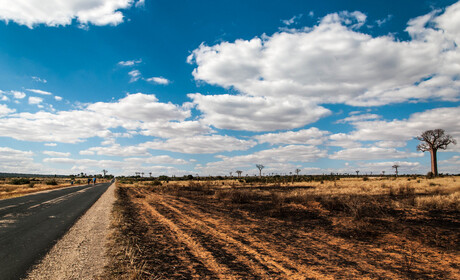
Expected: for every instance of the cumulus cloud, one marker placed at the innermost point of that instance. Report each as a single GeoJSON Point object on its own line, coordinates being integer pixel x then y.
{"type": "Point", "coordinates": [56, 154]}
{"type": "Point", "coordinates": [135, 75]}
{"type": "Point", "coordinates": [311, 136]}
{"type": "Point", "coordinates": [18, 94]}
{"type": "Point", "coordinates": [38, 79]}
{"type": "Point", "coordinates": [158, 80]}
{"type": "Point", "coordinates": [371, 153]}
{"type": "Point", "coordinates": [256, 113]}
{"type": "Point", "coordinates": [42, 92]}
{"type": "Point", "coordinates": [116, 150]}
{"type": "Point", "coordinates": [270, 158]}
{"type": "Point", "coordinates": [130, 62]}
{"type": "Point", "coordinates": [333, 62]}
{"type": "Point", "coordinates": [61, 13]}
{"type": "Point", "coordinates": [135, 112]}
{"type": "Point", "coordinates": [362, 117]}
{"type": "Point", "coordinates": [58, 98]}
{"type": "Point", "coordinates": [4, 110]}
{"type": "Point", "coordinates": [201, 144]}
{"type": "Point", "coordinates": [163, 159]}
{"type": "Point", "coordinates": [407, 129]}
{"type": "Point", "coordinates": [18, 161]}
{"type": "Point", "coordinates": [33, 100]}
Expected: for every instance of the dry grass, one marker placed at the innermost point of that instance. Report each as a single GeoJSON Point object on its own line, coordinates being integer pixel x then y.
{"type": "Point", "coordinates": [10, 188]}
{"type": "Point", "coordinates": [379, 228]}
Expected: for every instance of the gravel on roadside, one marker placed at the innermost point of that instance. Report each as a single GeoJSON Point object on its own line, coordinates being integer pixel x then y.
{"type": "Point", "coordinates": [81, 253]}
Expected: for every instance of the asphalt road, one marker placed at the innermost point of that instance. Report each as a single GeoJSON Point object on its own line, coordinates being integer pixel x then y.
{"type": "Point", "coordinates": [32, 224]}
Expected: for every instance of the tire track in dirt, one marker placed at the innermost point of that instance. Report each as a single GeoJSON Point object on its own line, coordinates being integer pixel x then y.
{"type": "Point", "coordinates": [265, 257]}
{"type": "Point", "coordinates": [220, 270]}
{"type": "Point", "coordinates": [333, 250]}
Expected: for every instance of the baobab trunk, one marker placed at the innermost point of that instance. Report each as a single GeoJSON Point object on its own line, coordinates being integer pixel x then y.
{"type": "Point", "coordinates": [434, 162]}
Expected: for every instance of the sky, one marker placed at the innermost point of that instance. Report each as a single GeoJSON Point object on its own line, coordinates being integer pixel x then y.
{"type": "Point", "coordinates": [170, 87]}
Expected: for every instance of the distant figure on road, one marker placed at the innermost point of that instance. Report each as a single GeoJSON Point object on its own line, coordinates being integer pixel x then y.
{"type": "Point", "coordinates": [89, 181]}
{"type": "Point", "coordinates": [94, 180]}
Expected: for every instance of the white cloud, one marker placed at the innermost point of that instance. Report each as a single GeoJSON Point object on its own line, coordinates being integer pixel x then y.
{"type": "Point", "coordinates": [403, 130]}
{"type": "Point", "coordinates": [17, 161]}
{"type": "Point", "coordinates": [292, 20]}
{"type": "Point", "coordinates": [130, 62]}
{"type": "Point", "coordinates": [163, 159]}
{"type": "Point", "coordinates": [56, 154]}
{"type": "Point", "coordinates": [256, 113]}
{"type": "Point", "coordinates": [355, 118]}
{"type": "Point", "coordinates": [135, 112]}
{"type": "Point", "coordinates": [269, 158]}
{"type": "Point", "coordinates": [158, 80]}
{"type": "Point", "coordinates": [18, 94]}
{"type": "Point", "coordinates": [201, 144]}
{"type": "Point", "coordinates": [42, 92]}
{"type": "Point", "coordinates": [343, 140]}
{"type": "Point", "coordinates": [135, 75]}
{"type": "Point", "coordinates": [4, 110]}
{"type": "Point", "coordinates": [116, 150]}
{"type": "Point", "coordinates": [140, 3]}
{"type": "Point", "coordinates": [372, 153]}
{"type": "Point", "coordinates": [38, 79]}
{"type": "Point", "coordinates": [61, 13]}
{"type": "Point", "coordinates": [332, 62]}
{"type": "Point", "coordinates": [50, 144]}
{"type": "Point", "coordinates": [58, 98]}
{"type": "Point", "coordinates": [35, 100]}
{"type": "Point", "coordinates": [311, 136]}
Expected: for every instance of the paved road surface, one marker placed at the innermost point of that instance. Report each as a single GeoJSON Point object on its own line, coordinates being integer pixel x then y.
{"type": "Point", "coordinates": [31, 225]}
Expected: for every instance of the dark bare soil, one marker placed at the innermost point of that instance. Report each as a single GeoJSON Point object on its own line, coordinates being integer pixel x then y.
{"type": "Point", "coordinates": [205, 233]}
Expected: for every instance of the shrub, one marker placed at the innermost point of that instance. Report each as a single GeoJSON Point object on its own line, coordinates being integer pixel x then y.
{"type": "Point", "coordinates": [52, 182]}
{"type": "Point", "coordinates": [31, 185]}
{"type": "Point", "coordinates": [402, 191]}
{"type": "Point", "coordinates": [20, 181]}
{"type": "Point", "coordinates": [439, 202]}
{"type": "Point", "coordinates": [429, 175]}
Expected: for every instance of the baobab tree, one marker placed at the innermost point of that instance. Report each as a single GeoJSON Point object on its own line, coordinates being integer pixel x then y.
{"type": "Point", "coordinates": [396, 166]}
{"type": "Point", "coordinates": [357, 172]}
{"type": "Point", "coordinates": [239, 173]}
{"type": "Point", "coordinates": [297, 171]}
{"type": "Point", "coordinates": [150, 173]}
{"type": "Point", "coordinates": [432, 141]}
{"type": "Point", "coordinates": [104, 171]}
{"type": "Point", "coordinates": [260, 167]}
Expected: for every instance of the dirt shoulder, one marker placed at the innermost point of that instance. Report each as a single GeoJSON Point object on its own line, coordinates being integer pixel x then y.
{"type": "Point", "coordinates": [81, 253]}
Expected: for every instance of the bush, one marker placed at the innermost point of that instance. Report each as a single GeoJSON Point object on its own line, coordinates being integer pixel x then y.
{"type": "Point", "coordinates": [20, 181]}
{"type": "Point", "coordinates": [52, 182]}
{"type": "Point", "coordinates": [429, 175]}
{"type": "Point", "coordinates": [31, 185]}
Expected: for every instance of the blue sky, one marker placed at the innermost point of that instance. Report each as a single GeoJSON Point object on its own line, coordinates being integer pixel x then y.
{"type": "Point", "coordinates": [211, 87]}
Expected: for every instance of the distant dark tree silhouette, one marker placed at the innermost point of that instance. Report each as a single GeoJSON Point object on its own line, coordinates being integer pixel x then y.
{"type": "Point", "coordinates": [396, 166]}
{"type": "Point", "coordinates": [104, 171]}
{"type": "Point", "coordinates": [297, 171]}
{"type": "Point", "coordinates": [260, 167]}
{"type": "Point", "coordinates": [432, 141]}
{"type": "Point", "coordinates": [357, 172]}
{"type": "Point", "coordinates": [239, 173]}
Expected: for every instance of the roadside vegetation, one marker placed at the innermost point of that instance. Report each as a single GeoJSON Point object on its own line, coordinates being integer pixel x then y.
{"type": "Point", "coordinates": [18, 186]}
{"type": "Point", "coordinates": [287, 227]}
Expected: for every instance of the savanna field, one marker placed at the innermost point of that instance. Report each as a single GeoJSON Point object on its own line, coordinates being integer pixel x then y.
{"type": "Point", "coordinates": [281, 228]}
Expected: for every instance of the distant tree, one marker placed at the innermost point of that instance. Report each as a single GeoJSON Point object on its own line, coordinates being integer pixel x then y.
{"type": "Point", "coordinates": [142, 174]}
{"type": "Point", "coordinates": [104, 171]}
{"type": "Point", "coordinates": [150, 173]}
{"type": "Point", "coordinates": [239, 173]}
{"type": "Point", "coordinates": [297, 171]}
{"type": "Point", "coordinates": [231, 174]}
{"type": "Point", "coordinates": [357, 172]}
{"type": "Point", "coordinates": [432, 141]}
{"type": "Point", "coordinates": [383, 173]}
{"type": "Point", "coordinates": [396, 166]}
{"type": "Point", "coordinates": [260, 167]}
